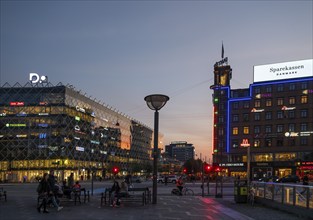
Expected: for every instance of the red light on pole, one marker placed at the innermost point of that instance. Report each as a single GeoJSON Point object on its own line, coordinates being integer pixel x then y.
{"type": "Point", "coordinates": [115, 170]}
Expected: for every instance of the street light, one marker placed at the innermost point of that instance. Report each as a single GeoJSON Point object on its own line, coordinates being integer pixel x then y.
{"type": "Point", "coordinates": [155, 102]}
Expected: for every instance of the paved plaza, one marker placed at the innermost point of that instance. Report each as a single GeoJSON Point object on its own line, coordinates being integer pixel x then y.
{"type": "Point", "coordinates": [21, 204]}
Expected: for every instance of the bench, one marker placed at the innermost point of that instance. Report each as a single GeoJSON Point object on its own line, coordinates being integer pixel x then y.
{"type": "Point", "coordinates": [77, 194]}
{"type": "Point", "coordinates": [3, 194]}
{"type": "Point", "coordinates": [144, 196]}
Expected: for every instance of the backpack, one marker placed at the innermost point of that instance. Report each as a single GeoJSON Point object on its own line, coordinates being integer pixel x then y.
{"type": "Point", "coordinates": [39, 188]}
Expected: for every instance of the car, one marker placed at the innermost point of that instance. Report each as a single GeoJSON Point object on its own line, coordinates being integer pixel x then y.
{"type": "Point", "coordinates": [171, 179]}
{"type": "Point", "coordinates": [137, 179]}
{"type": "Point", "coordinates": [289, 179]}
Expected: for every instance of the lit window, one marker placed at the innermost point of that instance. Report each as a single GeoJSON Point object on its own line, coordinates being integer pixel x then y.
{"type": "Point", "coordinates": [280, 101]}
{"type": "Point", "coordinates": [257, 143]}
{"type": "Point", "coordinates": [246, 130]}
{"type": "Point", "coordinates": [235, 130]}
{"type": "Point", "coordinates": [304, 99]}
{"type": "Point", "coordinates": [268, 102]}
{"type": "Point", "coordinates": [292, 100]}
{"type": "Point", "coordinates": [257, 103]}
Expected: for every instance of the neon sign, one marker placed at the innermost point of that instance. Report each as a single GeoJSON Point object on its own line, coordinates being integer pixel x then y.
{"type": "Point", "coordinates": [16, 103]}
{"type": "Point", "coordinates": [245, 143]}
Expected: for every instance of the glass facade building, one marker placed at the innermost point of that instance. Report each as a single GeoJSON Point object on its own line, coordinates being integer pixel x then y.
{"type": "Point", "coordinates": [45, 127]}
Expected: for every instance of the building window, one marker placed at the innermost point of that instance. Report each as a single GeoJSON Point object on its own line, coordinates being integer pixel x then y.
{"type": "Point", "coordinates": [279, 142]}
{"type": "Point", "coordinates": [280, 101]}
{"type": "Point", "coordinates": [257, 103]}
{"type": "Point", "coordinates": [257, 90]}
{"type": "Point", "coordinates": [304, 85]}
{"type": "Point", "coordinates": [280, 88]}
{"type": "Point", "coordinates": [245, 117]}
{"type": "Point", "coordinates": [268, 142]}
{"type": "Point", "coordinates": [246, 130]}
{"type": "Point", "coordinates": [304, 99]}
{"type": "Point", "coordinates": [268, 89]}
{"type": "Point", "coordinates": [268, 129]}
{"type": "Point", "coordinates": [256, 129]}
{"type": "Point", "coordinates": [246, 104]}
{"type": "Point", "coordinates": [221, 119]}
{"type": "Point", "coordinates": [235, 144]}
{"type": "Point", "coordinates": [235, 130]}
{"type": "Point", "coordinates": [268, 116]}
{"type": "Point", "coordinates": [292, 100]}
{"type": "Point", "coordinates": [304, 113]}
{"type": "Point", "coordinates": [304, 141]}
{"type": "Point", "coordinates": [292, 86]}
{"type": "Point", "coordinates": [280, 114]}
{"type": "Point", "coordinates": [221, 132]}
{"type": "Point", "coordinates": [257, 116]}
{"type": "Point", "coordinates": [257, 143]}
{"type": "Point", "coordinates": [291, 127]}
{"type": "Point", "coordinates": [280, 128]}
{"type": "Point", "coordinates": [303, 127]}
{"type": "Point", "coordinates": [235, 118]}
{"type": "Point", "coordinates": [235, 105]}
{"type": "Point", "coordinates": [268, 102]}
{"type": "Point", "coordinates": [291, 142]}
{"type": "Point", "coordinates": [291, 114]}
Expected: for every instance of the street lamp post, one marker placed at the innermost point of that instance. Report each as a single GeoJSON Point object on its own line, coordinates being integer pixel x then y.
{"type": "Point", "coordinates": [155, 102]}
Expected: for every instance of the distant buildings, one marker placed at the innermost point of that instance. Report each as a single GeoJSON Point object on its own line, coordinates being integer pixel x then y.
{"type": "Point", "coordinates": [273, 117]}
{"type": "Point", "coordinates": [45, 127]}
{"type": "Point", "coordinates": [180, 150]}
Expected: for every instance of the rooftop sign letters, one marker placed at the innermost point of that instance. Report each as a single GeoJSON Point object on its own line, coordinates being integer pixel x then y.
{"type": "Point", "coordinates": [280, 71]}
{"type": "Point", "coordinates": [245, 143]}
{"type": "Point", "coordinates": [35, 78]}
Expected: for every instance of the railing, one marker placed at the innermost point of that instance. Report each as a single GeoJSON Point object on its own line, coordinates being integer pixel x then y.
{"type": "Point", "coordinates": [287, 194]}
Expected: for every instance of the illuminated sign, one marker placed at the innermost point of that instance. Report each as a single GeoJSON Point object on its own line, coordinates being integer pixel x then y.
{"type": "Point", "coordinates": [257, 110]}
{"type": "Point", "coordinates": [42, 135]}
{"type": "Point", "coordinates": [3, 114]}
{"type": "Point", "coordinates": [291, 134]}
{"type": "Point", "coordinates": [266, 95]}
{"type": "Point", "coordinates": [16, 103]}
{"type": "Point", "coordinates": [15, 125]}
{"type": "Point", "coordinates": [21, 114]}
{"type": "Point", "coordinates": [21, 135]}
{"type": "Point", "coordinates": [43, 114]}
{"type": "Point", "coordinates": [67, 140]}
{"type": "Point", "coordinates": [225, 60]}
{"type": "Point", "coordinates": [231, 164]}
{"type": "Point", "coordinates": [307, 91]}
{"type": "Point", "coordinates": [80, 148]}
{"type": "Point", "coordinates": [77, 128]}
{"type": "Point", "coordinates": [43, 125]}
{"type": "Point", "coordinates": [285, 108]}
{"type": "Point", "coordinates": [76, 138]}
{"type": "Point", "coordinates": [94, 142]}
{"type": "Point", "coordinates": [80, 109]}
{"type": "Point", "coordinates": [77, 118]}
{"type": "Point", "coordinates": [43, 103]}
{"type": "Point", "coordinates": [286, 70]}
{"type": "Point", "coordinates": [35, 78]}
{"type": "Point", "coordinates": [245, 143]}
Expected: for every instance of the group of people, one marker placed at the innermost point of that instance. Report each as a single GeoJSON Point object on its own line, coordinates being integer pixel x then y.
{"type": "Point", "coordinates": [49, 191]}
{"type": "Point", "coordinates": [117, 192]}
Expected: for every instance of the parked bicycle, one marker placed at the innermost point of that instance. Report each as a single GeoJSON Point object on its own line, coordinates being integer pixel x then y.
{"type": "Point", "coordinates": [186, 191]}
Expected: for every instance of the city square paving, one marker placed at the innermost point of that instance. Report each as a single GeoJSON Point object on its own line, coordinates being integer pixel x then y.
{"type": "Point", "coordinates": [22, 200]}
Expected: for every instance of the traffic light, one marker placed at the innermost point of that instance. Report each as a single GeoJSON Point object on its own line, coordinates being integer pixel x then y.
{"type": "Point", "coordinates": [207, 168]}
{"type": "Point", "coordinates": [115, 170]}
{"type": "Point", "coordinates": [185, 170]}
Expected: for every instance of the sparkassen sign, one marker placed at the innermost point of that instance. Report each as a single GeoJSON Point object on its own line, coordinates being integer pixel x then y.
{"type": "Point", "coordinates": [280, 71]}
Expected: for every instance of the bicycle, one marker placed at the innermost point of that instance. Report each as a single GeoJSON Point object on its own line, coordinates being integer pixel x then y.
{"type": "Point", "coordinates": [251, 195]}
{"type": "Point", "coordinates": [186, 191]}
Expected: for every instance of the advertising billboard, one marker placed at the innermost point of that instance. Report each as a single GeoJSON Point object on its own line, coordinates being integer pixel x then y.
{"type": "Point", "coordinates": [280, 71]}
